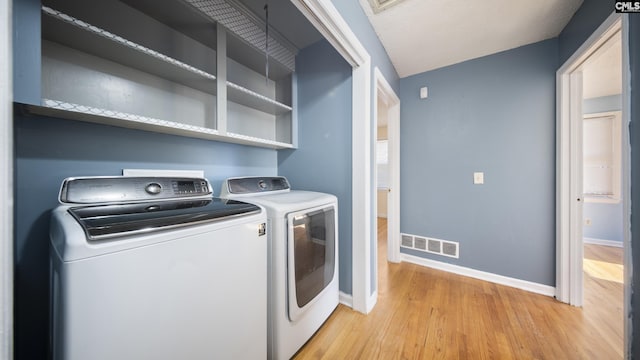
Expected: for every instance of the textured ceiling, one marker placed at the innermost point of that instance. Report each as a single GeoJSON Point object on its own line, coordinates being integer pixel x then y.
{"type": "Point", "coordinates": [422, 35]}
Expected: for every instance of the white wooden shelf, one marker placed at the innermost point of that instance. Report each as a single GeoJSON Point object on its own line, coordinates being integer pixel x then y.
{"type": "Point", "coordinates": [246, 97]}
{"type": "Point", "coordinates": [74, 33]}
{"type": "Point", "coordinates": [62, 110]}
{"type": "Point", "coordinates": [79, 35]}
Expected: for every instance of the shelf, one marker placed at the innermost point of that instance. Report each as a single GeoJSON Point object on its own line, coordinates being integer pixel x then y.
{"type": "Point", "coordinates": [77, 34]}
{"type": "Point", "coordinates": [109, 117]}
{"type": "Point", "coordinates": [100, 100]}
{"type": "Point", "coordinates": [251, 140]}
{"type": "Point", "coordinates": [246, 97]}
{"type": "Point", "coordinates": [63, 110]}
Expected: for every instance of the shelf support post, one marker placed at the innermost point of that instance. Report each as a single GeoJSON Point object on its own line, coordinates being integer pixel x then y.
{"type": "Point", "coordinates": [221, 79]}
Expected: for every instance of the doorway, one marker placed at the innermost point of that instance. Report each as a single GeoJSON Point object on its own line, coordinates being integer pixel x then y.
{"type": "Point", "coordinates": [570, 205]}
{"type": "Point", "coordinates": [602, 184]}
{"type": "Point", "coordinates": [386, 209]}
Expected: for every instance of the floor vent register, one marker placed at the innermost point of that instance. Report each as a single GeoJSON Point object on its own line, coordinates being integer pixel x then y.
{"type": "Point", "coordinates": [430, 245]}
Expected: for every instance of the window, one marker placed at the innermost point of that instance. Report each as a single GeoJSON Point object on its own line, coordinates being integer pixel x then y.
{"type": "Point", "coordinates": [601, 157]}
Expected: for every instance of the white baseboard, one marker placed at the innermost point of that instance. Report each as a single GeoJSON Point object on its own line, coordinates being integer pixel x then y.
{"type": "Point", "coordinates": [346, 299]}
{"type": "Point", "coordinates": [481, 275]}
{"type": "Point", "coordinates": [602, 242]}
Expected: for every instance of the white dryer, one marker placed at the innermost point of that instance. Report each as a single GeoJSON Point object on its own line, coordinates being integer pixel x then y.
{"type": "Point", "coordinates": [156, 268]}
{"type": "Point", "coordinates": [303, 258]}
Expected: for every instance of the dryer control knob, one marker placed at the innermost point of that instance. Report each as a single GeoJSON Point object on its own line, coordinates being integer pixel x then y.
{"type": "Point", "coordinates": [153, 188]}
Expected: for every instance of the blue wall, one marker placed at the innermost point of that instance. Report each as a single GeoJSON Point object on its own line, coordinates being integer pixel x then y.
{"type": "Point", "coordinates": [494, 114]}
{"type": "Point", "coordinates": [606, 221]}
{"type": "Point", "coordinates": [49, 150]}
{"type": "Point", "coordinates": [584, 22]}
{"type": "Point", "coordinates": [322, 161]}
{"type": "Point", "coordinates": [26, 56]}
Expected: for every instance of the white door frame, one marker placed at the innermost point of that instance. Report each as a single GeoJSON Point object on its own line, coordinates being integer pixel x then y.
{"type": "Point", "coordinates": [6, 182]}
{"type": "Point", "coordinates": [569, 282]}
{"type": "Point", "coordinates": [326, 18]}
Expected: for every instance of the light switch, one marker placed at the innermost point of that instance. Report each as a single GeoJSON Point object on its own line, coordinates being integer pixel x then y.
{"type": "Point", "coordinates": [478, 178]}
{"type": "Point", "coordinates": [424, 92]}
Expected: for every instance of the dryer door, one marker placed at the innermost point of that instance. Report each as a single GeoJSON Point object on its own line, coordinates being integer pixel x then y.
{"type": "Point", "coordinates": [311, 256]}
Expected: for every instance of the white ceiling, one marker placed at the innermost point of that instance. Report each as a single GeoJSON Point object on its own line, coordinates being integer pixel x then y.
{"type": "Point", "coordinates": [422, 35]}
{"type": "Point", "coordinates": [602, 72]}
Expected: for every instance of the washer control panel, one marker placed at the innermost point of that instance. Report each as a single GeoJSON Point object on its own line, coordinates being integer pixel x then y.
{"type": "Point", "coordinates": [96, 190]}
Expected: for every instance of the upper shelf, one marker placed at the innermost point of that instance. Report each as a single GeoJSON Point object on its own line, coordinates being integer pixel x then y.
{"type": "Point", "coordinates": [77, 34]}
{"type": "Point", "coordinates": [67, 30]}
{"type": "Point", "coordinates": [248, 37]}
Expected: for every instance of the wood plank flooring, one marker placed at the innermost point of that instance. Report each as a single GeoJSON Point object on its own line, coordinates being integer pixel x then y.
{"type": "Point", "coordinates": [423, 313]}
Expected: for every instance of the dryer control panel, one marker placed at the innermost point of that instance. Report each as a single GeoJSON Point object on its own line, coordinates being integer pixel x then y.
{"type": "Point", "coordinates": [116, 189]}
{"type": "Point", "coordinates": [254, 185]}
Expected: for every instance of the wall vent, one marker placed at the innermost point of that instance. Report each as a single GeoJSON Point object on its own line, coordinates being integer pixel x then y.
{"type": "Point", "coordinates": [431, 245]}
{"type": "Point", "coordinates": [407, 241]}
{"type": "Point", "coordinates": [450, 249]}
{"type": "Point", "coordinates": [434, 246]}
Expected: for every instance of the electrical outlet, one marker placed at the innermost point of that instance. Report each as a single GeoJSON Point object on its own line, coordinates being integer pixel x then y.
{"type": "Point", "coordinates": [587, 222]}
{"type": "Point", "coordinates": [478, 178]}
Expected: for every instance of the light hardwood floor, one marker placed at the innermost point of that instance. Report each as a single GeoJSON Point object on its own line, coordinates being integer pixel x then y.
{"type": "Point", "coordinates": [423, 313]}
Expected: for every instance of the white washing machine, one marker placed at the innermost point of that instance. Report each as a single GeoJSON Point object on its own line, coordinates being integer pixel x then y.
{"type": "Point", "coordinates": [303, 258]}
{"type": "Point", "coordinates": [156, 268]}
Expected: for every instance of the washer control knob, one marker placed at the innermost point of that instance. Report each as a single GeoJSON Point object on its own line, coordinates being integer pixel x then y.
{"type": "Point", "coordinates": [262, 185]}
{"type": "Point", "coordinates": [153, 188]}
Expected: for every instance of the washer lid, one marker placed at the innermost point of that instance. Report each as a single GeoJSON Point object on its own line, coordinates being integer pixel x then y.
{"type": "Point", "coordinates": [107, 221]}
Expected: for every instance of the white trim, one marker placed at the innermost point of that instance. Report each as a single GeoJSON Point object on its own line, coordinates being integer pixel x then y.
{"type": "Point", "coordinates": [603, 242]}
{"type": "Point", "coordinates": [569, 166]}
{"type": "Point", "coordinates": [6, 182]}
{"type": "Point", "coordinates": [576, 164]}
{"type": "Point", "coordinates": [361, 187]}
{"type": "Point", "coordinates": [326, 18]}
{"type": "Point", "coordinates": [482, 275]}
{"type": "Point", "coordinates": [346, 299]}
